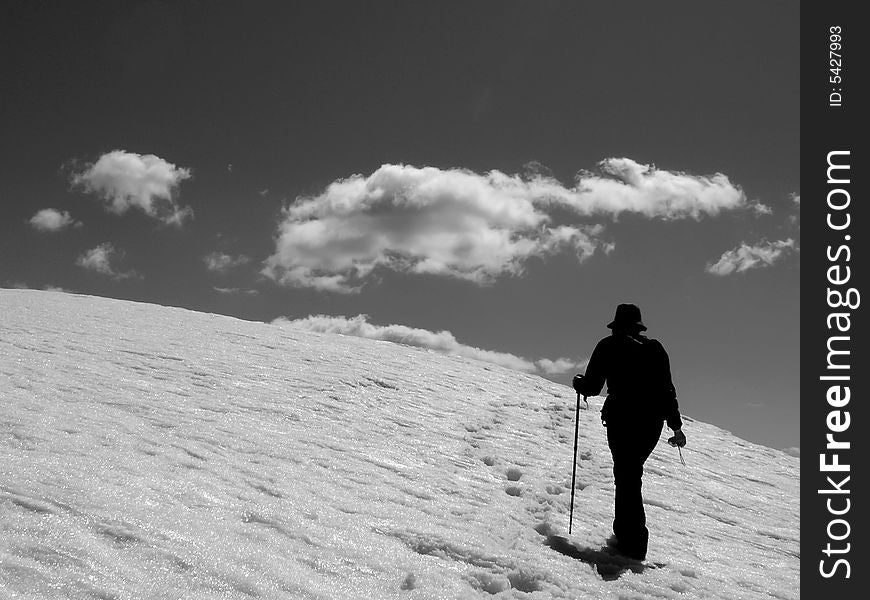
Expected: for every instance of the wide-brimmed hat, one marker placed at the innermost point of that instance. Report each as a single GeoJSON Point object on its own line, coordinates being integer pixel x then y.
{"type": "Point", "coordinates": [627, 316]}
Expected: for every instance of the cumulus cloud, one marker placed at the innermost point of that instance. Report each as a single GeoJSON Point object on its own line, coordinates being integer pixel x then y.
{"type": "Point", "coordinates": [746, 257]}
{"type": "Point", "coordinates": [461, 224]}
{"type": "Point", "coordinates": [125, 180]}
{"type": "Point", "coordinates": [100, 259]}
{"type": "Point", "coordinates": [560, 365]}
{"type": "Point", "coordinates": [221, 263]}
{"type": "Point", "coordinates": [626, 186]}
{"type": "Point", "coordinates": [50, 219]}
{"type": "Point", "coordinates": [442, 341]}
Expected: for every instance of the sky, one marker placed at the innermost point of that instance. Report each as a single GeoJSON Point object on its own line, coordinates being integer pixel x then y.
{"type": "Point", "coordinates": [488, 178]}
{"type": "Point", "coordinates": [165, 461]}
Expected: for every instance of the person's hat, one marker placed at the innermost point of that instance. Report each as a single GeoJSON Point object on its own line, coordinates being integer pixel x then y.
{"type": "Point", "coordinates": [627, 315]}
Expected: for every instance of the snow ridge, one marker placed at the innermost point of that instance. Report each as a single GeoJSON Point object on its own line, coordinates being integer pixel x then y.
{"type": "Point", "coordinates": [153, 452]}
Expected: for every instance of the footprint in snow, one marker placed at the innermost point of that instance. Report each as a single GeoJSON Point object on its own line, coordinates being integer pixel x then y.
{"type": "Point", "coordinates": [409, 583]}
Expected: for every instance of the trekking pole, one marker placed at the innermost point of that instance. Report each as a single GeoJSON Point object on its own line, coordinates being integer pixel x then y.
{"type": "Point", "coordinates": [672, 442]}
{"type": "Point", "coordinates": [574, 468]}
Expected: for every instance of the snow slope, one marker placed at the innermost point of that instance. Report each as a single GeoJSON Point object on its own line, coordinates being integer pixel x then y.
{"type": "Point", "coordinates": [152, 452]}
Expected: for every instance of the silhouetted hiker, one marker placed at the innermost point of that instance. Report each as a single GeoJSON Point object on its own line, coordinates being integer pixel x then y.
{"type": "Point", "coordinates": [640, 396]}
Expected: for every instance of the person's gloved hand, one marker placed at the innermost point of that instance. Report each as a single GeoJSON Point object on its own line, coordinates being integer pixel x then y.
{"type": "Point", "coordinates": [577, 383]}
{"type": "Point", "coordinates": [678, 439]}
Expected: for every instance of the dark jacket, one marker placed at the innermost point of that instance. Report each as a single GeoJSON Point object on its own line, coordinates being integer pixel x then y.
{"type": "Point", "coordinates": [638, 376]}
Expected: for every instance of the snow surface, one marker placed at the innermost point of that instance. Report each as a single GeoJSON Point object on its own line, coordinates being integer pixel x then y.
{"type": "Point", "coordinates": [153, 452]}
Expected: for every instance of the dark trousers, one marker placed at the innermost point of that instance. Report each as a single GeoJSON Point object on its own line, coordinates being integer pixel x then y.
{"type": "Point", "coordinates": [631, 444]}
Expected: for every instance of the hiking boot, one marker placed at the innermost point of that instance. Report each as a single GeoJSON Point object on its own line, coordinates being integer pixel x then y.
{"type": "Point", "coordinates": [634, 551]}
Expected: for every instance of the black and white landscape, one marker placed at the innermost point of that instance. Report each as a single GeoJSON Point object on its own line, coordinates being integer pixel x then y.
{"type": "Point", "coordinates": [292, 295]}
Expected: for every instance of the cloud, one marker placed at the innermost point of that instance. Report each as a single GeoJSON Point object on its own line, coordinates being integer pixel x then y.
{"type": "Point", "coordinates": [228, 291]}
{"type": "Point", "coordinates": [475, 227]}
{"type": "Point", "coordinates": [442, 341]}
{"type": "Point", "coordinates": [100, 259]}
{"type": "Point", "coordinates": [746, 257]}
{"type": "Point", "coordinates": [20, 285]}
{"type": "Point", "coordinates": [125, 180]}
{"type": "Point", "coordinates": [50, 219]}
{"type": "Point", "coordinates": [793, 221]}
{"type": "Point", "coordinates": [793, 451]}
{"type": "Point", "coordinates": [626, 186]}
{"type": "Point", "coordinates": [221, 263]}
{"type": "Point", "coordinates": [560, 365]}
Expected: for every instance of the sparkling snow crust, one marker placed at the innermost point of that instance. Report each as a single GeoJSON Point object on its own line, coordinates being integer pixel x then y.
{"type": "Point", "coordinates": [153, 452]}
